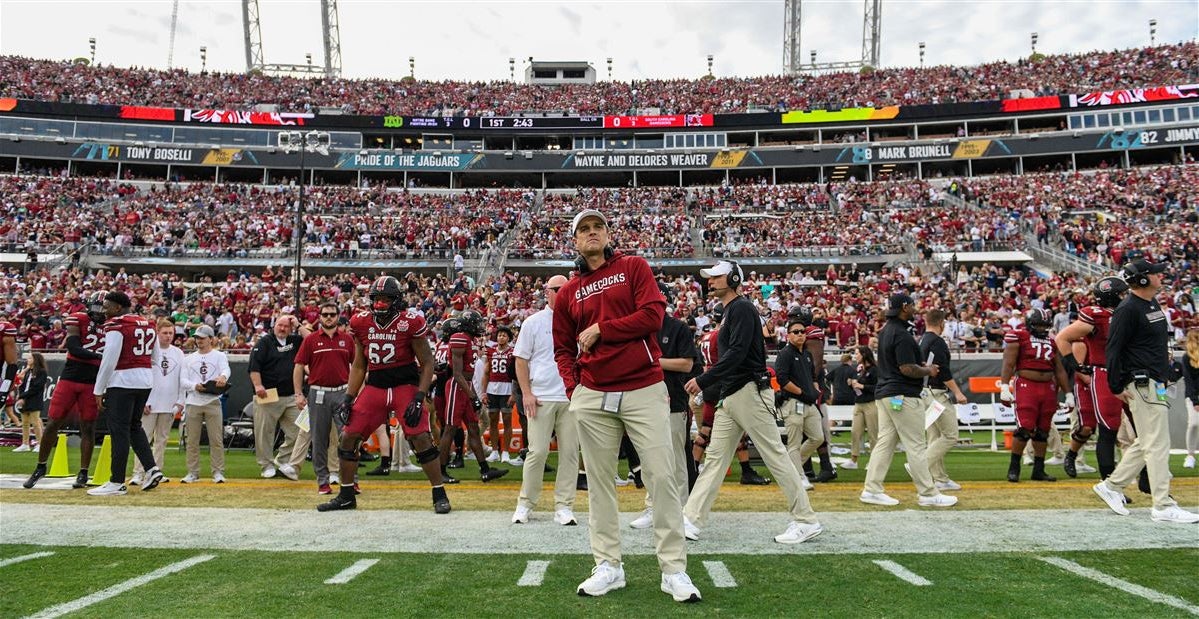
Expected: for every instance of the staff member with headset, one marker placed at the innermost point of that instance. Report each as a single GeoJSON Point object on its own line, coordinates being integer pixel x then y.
{"type": "Point", "coordinates": [605, 322]}
{"type": "Point", "coordinates": [1138, 373]}
{"type": "Point", "coordinates": [901, 409]}
{"type": "Point", "coordinates": [746, 405]}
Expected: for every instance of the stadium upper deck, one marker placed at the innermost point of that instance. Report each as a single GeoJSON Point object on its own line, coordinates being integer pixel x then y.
{"type": "Point", "coordinates": [64, 81]}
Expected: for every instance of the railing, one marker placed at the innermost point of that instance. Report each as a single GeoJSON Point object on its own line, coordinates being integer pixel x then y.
{"type": "Point", "coordinates": [1060, 258]}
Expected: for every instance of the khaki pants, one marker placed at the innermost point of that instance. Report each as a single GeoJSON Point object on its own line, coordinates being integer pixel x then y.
{"type": "Point", "coordinates": [804, 419]}
{"type": "Point", "coordinates": [865, 417]}
{"type": "Point", "coordinates": [747, 411]}
{"type": "Point", "coordinates": [678, 438]}
{"type": "Point", "coordinates": [157, 427]}
{"type": "Point", "coordinates": [942, 436]}
{"type": "Point", "coordinates": [268, 417]}
{"type": "Point", "coordinates": [644, 415]}
{"type": "Point", "coordinates": [205, 416]}
{"type": "Point", "coordinates": [902, 426]}
{"type": "Point", "coordinates": [551, 417]}
{"type": "Point", "coordinates": [1150, 449]}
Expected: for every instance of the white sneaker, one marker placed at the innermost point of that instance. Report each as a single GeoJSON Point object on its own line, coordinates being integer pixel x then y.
{"type": "Point", "coordinates": [1113, 498]}
{"type": "Point", "coordinates": [690, 531]}
{"type": "Point", "coordinates": [680, 588]}
{"type": "Point", "coordinates": [908, 468]}
{"type": "Point", "coordinates": [334, 478]}
{"type": "Point", "coordinates": [191, 479]}
{"type": "Point", "coordinates": [807, 483]}
{"type": "Point", "coordinates": [645, 520]}
{"type": "Point", "coordinates": [470, 455]}
{"type": "Point", "coordinates": [937, 500]}
{"type": "Point", "coordinates": [621, 481]}
{"type": "Point", "coordinates": [877, 498]}
{"type": "Point", "coordinates": [1055, 461]}
{"type": "Point", "coordinates": [516, 461]}
{"type": "Point", "coordinates": [521, 515]}
{"type": "Point", "coordinates": [837, 450]}
{"type": "Point", "coordinates": [565, 517]}
{"type": "Point", "coordinates": [948, 485]}
{"type": "Point", "coordinates": [218, 478]}
{"type": "Point", "coordinates": [604, 578]}
{"type": "Point", "coordinates": [268, 472]}
{"type": "Point", "coordinates": [1174, 513]}
{"type": "Point", "coordinates": [493, 457]}
{"type": "Point", "coordinates": [25, 447]}
{"type": "Point", "coordinates": [108, 489]}
{"type": "Point", "coordinates": [1188, 463]}
{"type": "Point", "coordinates": [136, 480]}
{"type": "Point", "coordinates": [1028, 461]}
{"type": "Point", "coordinates": [408, 467]}
{"type": "Point", "coordinates": [289, 472]}
{"type": "Point", "coordinates": [798, 532]}
{"type": "Point", "coordinates": [1084, 468]}
{"type": "Point", "coordinates": [504, 457]}
{"type": "Point", "coordinates": [849, 465]}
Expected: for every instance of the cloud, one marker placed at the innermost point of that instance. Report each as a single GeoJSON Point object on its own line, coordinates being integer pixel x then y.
{"type": "Point", "coordinates": [142, 36]}
{"type": "Point", "coordinates": [573, 19]}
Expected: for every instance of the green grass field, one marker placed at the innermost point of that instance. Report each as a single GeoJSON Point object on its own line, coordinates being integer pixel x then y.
{"type": "Point", "coordinates": [275, 583]}
{"type": "Point", "coordinates": [243, 584]}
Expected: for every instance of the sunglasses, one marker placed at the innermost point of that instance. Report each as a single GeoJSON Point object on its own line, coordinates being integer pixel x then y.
{"type": "Point", "coordinates": [796, 332]}
{"type": "Point", "coordinates": [324, 315]}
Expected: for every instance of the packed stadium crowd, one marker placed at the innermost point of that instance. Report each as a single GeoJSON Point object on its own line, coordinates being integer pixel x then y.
{"type": "Point", "coordinates": [68, 81]}
{"type": "Point", "coordinates": [1094, 215]}
{"type": "Point", "coordinates": [238, 220]}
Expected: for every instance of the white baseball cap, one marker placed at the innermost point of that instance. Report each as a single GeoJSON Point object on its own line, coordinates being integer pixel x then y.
{"type": "Point", "coordinates": [583, 214]}
{"type": "Point", "coordinates": [724, 267]}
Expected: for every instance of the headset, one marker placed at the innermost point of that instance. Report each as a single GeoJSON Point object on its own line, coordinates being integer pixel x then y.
{"type": "Point", "coordinates": [1134, 277]}
{"type": "Point", "coordinates": [581, 262]}
{"type": "Point", "coordinates": [735, 276]}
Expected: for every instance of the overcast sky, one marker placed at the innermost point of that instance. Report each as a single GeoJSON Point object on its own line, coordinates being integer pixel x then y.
{"type": "Point", "coordinates": [659, 39]}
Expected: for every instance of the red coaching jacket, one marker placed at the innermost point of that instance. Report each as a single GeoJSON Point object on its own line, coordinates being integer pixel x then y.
{"type": "Point", "coordinates": [623, 297]}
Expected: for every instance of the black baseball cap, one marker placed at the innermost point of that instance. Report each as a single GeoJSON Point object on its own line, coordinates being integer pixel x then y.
{"type": "Point", "coordinates": [896, 302]}
{"type": "Point", "coordinates": [1144, 267]}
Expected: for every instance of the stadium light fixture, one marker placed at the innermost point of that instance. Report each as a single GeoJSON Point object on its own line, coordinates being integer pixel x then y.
{"type": "Point", "coordinates": [813, 59]}
{"type": "Point", "coordinates": [1152, 32]}
{"type": "Point", "coordinates": [91, 43]}
{"type": "Point", "coordinates": [412, 67]}
{"type": "Point", "coordinates": [609, 68]}
{"type": "Point", "coordinates": [1034, 38]}
{"type": "Point", "coordinates": [290, 142]}
{"type": "Point", "coordinates": [203, 58]}
{"type": "Point", "coordinates": [512, 68]}
{"type": "Point", "coordinates": [308, 57]}
{"type": "Point", "coordinates": [922, 54]}
{"type": "Point", "coordinates": [709, 64]}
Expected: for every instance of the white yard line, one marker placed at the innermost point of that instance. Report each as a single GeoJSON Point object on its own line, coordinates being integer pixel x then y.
{"type": "Point", "coordinates": [349, 573]}
{"type": "Point", "coordinates": [903, 573]}
{"type": "Point", "coordinates": [534, 574]}
{"type": "Point", "coordinates": [1123, 585]}
{"type": "Point", "coordinates": [36, 555]}
{"type": "Point", "coordinates": [117, 589]}
{"type": "Point", "coordinates": [720, 574]}
{"type": "Point", "coordinates": [364, 531]}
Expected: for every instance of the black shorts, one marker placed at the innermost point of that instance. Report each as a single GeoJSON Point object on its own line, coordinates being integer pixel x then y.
{"type": "Point", "coordinates": [497, 402]}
